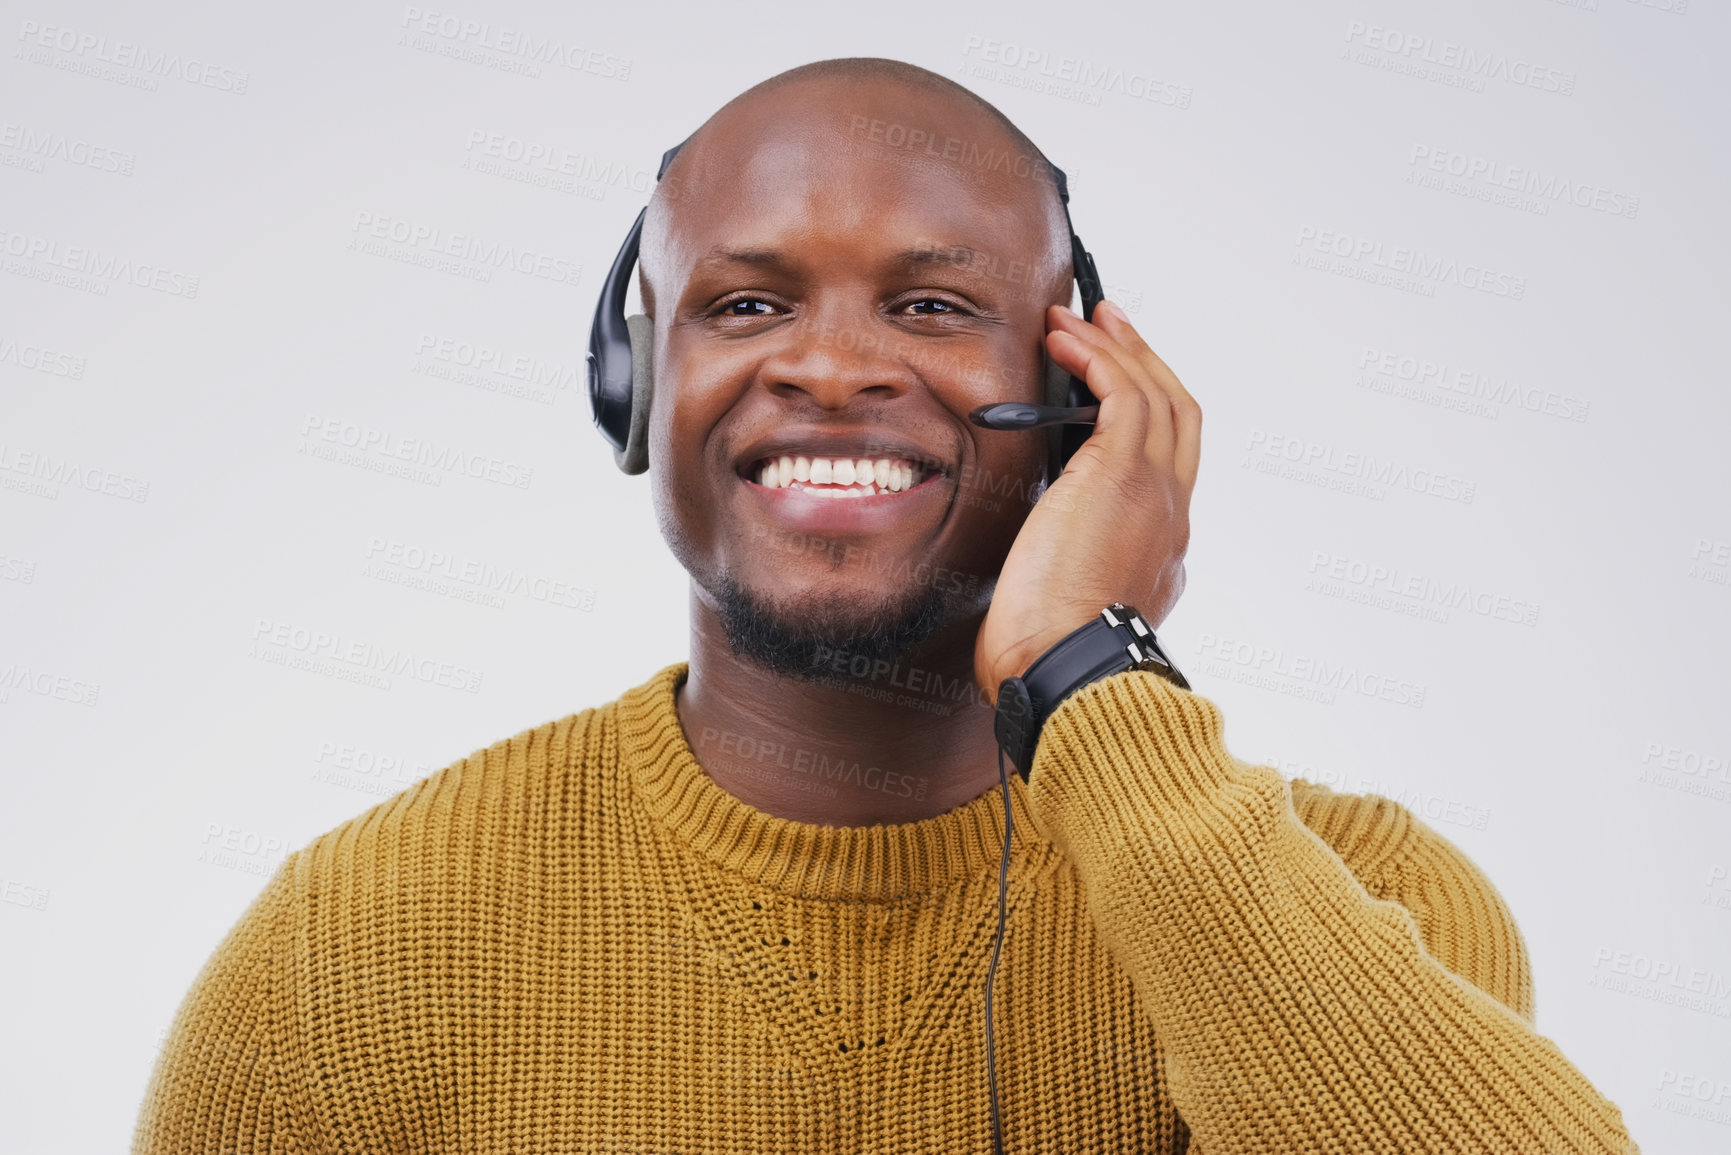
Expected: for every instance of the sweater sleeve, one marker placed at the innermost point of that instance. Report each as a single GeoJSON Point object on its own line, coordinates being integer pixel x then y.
{"type": "Point", "coordinates": [1295, 1010]}
{"type": "Point", "coordinates": [219, 1084]}
{"type": "Point", "coordinates": [1462, 921]}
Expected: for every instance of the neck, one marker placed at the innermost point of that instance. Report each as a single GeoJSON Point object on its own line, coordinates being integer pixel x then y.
{"type": "Point", "coordinates": [888, 743]}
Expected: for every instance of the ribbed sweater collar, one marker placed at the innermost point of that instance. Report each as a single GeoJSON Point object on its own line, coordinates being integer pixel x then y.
{"type": "Point", "coordinates": [863, 863]}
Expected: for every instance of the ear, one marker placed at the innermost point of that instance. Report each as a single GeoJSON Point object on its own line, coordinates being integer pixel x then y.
{"type": "Point", "coordinates": [634, 458]}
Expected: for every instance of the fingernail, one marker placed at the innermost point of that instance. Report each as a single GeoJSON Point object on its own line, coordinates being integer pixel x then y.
{"type": "Point", "coordinates": [1113, 309]}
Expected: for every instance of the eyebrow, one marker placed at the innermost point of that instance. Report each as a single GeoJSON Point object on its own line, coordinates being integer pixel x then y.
{"type": "Point", "coordinates": [962, 256]}
{"type": "Point", "coordinates": [725, 255]}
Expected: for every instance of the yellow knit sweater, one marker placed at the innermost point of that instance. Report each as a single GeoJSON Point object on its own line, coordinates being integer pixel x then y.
{"type": "Point", "coordinates": [575, 940]}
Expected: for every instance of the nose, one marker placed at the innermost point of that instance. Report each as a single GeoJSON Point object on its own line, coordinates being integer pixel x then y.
{"type": "Point", "coordinates": [834, 356]}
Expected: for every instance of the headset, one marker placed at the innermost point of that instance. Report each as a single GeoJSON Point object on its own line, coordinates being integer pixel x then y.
{"type": "Point", "coordinates": [622, 386]}
{"type": "Point", "coordinates": [622, 381]}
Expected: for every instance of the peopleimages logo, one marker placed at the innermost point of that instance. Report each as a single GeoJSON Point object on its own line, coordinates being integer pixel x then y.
{"type": "Point", "coordinates": [319, 651]}
{"type": "Point", "coordinates": [89, 47]}
{"type": "Point", "coordinates": [22, 894]}
{"type": "Point", "coordinates": [1468, 383]}
{"type": "Point", "coordinates": [818, 772]}
{"type": "Point", "coordinates": [555, 160]}
{"type": "Point", "coordinates": [47, 473]}
{"type": "Point", "coordinates": [1710, 561]}
{"type": "Point", "coordinates": [38, 145]}
{"type": "Point", "coordinates": [1477, 65]}
{"type": "Point", "coordinates": [1524, 179]}
{"type": "Point", "coordinates": [1434, 807]}
{"type": "Point", "coordinates": [929, 142]}
{"type": "Point", "coordinates": [60, 687]}
{"type": "Point", "coordinates": [1070, 77]}
{"type": "Point", "coordinates": [1350, 470]}
{"type": "Point", "coordinates": [1694, 1095]}
{"type": "Point", "coordinates": [1301, 675]}
{"type": "Point", "coordinates": [368, 771]}
{"type": "Point", "coordinates": [1419, 595]}
{"type": "Point", "coordinates": [17, 569]}
{"type": "Point", "coordinates": [41, 359]}
{"type": "Point", "coordinates": [460, 32]}
{"type": "Point", "coordinates": [433, 242]}
{"type": "Point", "coordinates": [467, 579]}
{"type": "Point", "coordinates": [49, 253]}
{"type": "Point", "coordinates": [515, 366]}
{"type": "Point", "coordinates": [1705, 774]}
{"type": "Point", "coordinates": [1425, 269]}
{"type": "Point", "coordinates": [1664, 980]}
{"type": "Point", "coordinates": [247, 851]}
{"type": "Point", "coordinates": [387, 448]}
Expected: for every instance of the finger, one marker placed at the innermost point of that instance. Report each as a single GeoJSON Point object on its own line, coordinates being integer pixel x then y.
{"type": "Point", "coordinates": [1186, 412]}
{"type": "Point", "coordinates": [1123, 425]}
{"type": "Point", "coordinates": [1158, 435]}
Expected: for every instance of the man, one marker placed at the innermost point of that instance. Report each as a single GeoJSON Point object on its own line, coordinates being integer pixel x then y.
{"type": "Point", "coordinates": [750, 905]}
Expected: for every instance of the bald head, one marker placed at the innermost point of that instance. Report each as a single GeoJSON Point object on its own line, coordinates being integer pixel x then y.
{"type": "Point", "coordinates": [859, 69]}
{"type": "Point", "coordinates": [835, 118]}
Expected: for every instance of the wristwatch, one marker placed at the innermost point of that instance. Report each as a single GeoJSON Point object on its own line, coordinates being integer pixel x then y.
{"type": "Point", "coordinates": [1119, 639]}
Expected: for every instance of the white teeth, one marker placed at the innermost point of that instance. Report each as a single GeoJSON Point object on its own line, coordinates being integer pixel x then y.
{"type": "Point", "coordinates": [862, 476]}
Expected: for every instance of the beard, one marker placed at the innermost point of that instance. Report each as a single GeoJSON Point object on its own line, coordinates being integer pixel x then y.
{"type": "Point", "coordinates": [797, 640]}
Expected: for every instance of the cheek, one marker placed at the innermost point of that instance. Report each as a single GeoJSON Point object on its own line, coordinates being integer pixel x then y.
{"type": "Point", "coordinates": [676, 469]}
{"type": "Point", "coordinates": [1008, 467]}
{"type": "Point", "coordinates": [1004, 485]}
{"type": "Point", "coordinates": [682, 423]}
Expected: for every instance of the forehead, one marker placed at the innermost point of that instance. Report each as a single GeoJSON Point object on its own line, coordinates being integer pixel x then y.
{"type": "Point", "coordinates": [851, 165]}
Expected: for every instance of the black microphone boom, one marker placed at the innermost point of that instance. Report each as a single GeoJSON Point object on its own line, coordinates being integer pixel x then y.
{"type": "Point", "coordinates": [1021, 415]}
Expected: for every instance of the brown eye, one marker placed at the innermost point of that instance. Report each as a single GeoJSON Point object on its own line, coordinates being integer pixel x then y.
{"type": "Point", "coordinates": [923, 308]}
{"type": "Point", "coordinates": [748, 307]}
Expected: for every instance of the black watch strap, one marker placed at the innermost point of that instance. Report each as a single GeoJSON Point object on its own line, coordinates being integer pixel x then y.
{"type": "Point", "coordinates": [1119, 639]}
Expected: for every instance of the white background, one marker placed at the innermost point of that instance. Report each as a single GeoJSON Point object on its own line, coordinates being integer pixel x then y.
{"type": "Point", "coordinates": [157, 767]}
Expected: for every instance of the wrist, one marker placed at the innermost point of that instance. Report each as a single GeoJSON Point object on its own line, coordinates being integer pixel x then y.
{"type": "Point", "coordinates": [1017, 661]}
{"type": "Point", "coordinates": [1116, 640]}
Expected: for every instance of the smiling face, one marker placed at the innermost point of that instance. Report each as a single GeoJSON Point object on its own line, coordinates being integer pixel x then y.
{"type": "Point", "coordinates": [830, 301]}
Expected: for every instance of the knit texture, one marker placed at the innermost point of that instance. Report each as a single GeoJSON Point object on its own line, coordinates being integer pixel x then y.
{"type": "Point", "coordinates": [575, 941]}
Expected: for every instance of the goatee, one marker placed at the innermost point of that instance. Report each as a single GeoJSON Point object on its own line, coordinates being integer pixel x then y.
{"type": "Point", "coordinates": [801, 640]}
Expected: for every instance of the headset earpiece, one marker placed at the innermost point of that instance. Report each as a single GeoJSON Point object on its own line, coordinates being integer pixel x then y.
{"type": "Point", "coordinates": [621, 355]}
{"type": "Point", "coordinates": [634, 458]}
{"type": "Point", "coordinates": [613, 368]}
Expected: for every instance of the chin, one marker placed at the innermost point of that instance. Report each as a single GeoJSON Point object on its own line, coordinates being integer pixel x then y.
{"type": "Point", "coordinates": [797, 636]}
